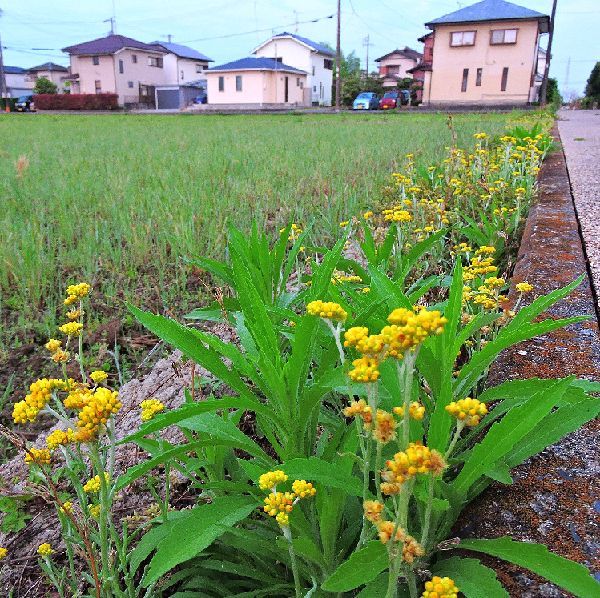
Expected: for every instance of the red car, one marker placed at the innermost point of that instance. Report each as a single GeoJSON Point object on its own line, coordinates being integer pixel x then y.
{"type": "Point", "coordinates": [389, 101]}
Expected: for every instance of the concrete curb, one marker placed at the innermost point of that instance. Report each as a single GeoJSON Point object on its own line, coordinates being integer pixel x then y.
{"type": "Point", "coordinates": [554, 498]}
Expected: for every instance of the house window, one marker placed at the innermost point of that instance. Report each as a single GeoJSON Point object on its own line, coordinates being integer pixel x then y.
{"type": "Point", "coordinates": [199, 68]}
{"type": "Point", "coordinates": [462, 38]}
{"type": "Point", "coordinates": [465, 80]}
{"type": "Point", "coordinates": [478, 77]}
{"type": "Point", "coordinates": [314, 88]}
{"type": "Point", "coordinates": [503, 36]}
{"type": "Point", "coordinates": [96, 60]}
{"type": "Point", "coordinates": [98, 86]}
{"type": "Point", "coordinates": [130, 84]}
{"type": "Point", "coordinates": [327, 64]}
{"type": "Point", "coordinates": [121, 67]}
{"type": "Point", "coordinates": [504, 79]}
{"type": "Point", "coordinates": [393, 69]}
{"type": "Point", "coordinates": [156, 61]}
{"type": "Point", "coordinates": [238, 83]}
{"type": "Point", "coordinates": [221, 83]}
{"type": "Point", "coordinates": [134, 58]}
{"type": "Point", "coordinates": [182, 75]}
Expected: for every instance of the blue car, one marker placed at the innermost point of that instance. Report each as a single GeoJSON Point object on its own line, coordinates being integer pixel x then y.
{"type": "Point", "coordinates": [367, 100]}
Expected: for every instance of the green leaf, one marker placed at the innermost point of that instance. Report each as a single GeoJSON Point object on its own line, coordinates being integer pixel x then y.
{"type": "Point", "coordinates": [169, 418]}
{"type": "Point", "coordinates": [222, 429]}
{"type": "Point", "coordinates": [332, 475]}
{"type": "Point", "coordinates": [505, 434]}
{"type": "Point", "coordinates": [361, 568]}
{"type": "Point", "coordinates": [570, 576]}
{"type": "Point", "coordinates": [188, 537]}
{"type": "Point", "coordinates": [473, 579]}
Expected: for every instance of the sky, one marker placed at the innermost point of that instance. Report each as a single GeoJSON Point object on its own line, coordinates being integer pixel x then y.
{"type": "Point", "coordinates": [34, 31]}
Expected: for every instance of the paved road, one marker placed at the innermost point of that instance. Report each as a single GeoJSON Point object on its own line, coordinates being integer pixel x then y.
{"type": "Point", "coordinates": [580, 135]}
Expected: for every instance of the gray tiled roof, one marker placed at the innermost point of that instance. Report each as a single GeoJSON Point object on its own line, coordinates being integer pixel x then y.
{"type": "Point", "coordinates": [488, 10]}
{"type": "Point", "coordinates": [14, 70]}
{"type": "Point", "coordinates": [182, 51]}
{"type": "Point", "coordinates": [407, 52]}
{"type": "Point", "coordinates": [258, 64]}
{"type": "Point", "coordinates": [109, 45]}
{"type": "Point", "coordinates": [49, 66]}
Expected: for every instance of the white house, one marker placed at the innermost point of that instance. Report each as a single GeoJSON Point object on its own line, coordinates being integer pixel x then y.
{"type": "Point", "coordinates": [311, 57]}
{"type": "Point", "coordinates": [17, 82]}
{"type": "Point", "coordinates": [183, 64]}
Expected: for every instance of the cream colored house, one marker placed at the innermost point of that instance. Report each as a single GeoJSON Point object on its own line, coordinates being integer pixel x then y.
{"type": "Point", "coordinates": [484, 54]}
{"type": "Point", "coordinates": [315, 59]}
{"type": "Point", "coordinates": [256, 83]}
{"type": "Point", "coordinates": [118, 64]}
{"type": "Point", "coordinates": [395, 65]}
{"type": "Point", "coordinates": [183, 64]}
{"type": "Point", "coordinates": [56, 73]}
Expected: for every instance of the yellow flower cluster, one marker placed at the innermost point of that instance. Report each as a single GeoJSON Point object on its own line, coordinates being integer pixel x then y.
{"type": "Point", "coordinates": [411, 549]}
{"type": "Point", "coordinates": [416, 411]}
{"type": "Point", "coordinates": [71, 328]}
{"type": "Point", "coordinates": [40, 393]}
{"type": "Point", "coordinates": [53, 345]}
{"type": "Point", "coordinates": [76, 292]}
{"type": "Point", "coordinates": [365, 370]}
{"type": "Point", "coordinates": [372, 510]}
{"type": "Point", "coordinates": [384, 429]}
{"type": "Point", "coordinates": [295, 231]}
{"type": "Point", "coordinates": [67, 507]}
{"type": "Point", "coordinates": [98, 376]}
{"type": "Point", "coordinates": [98, 407]}
{"type": "Point", "coordinates": [94, 484]}
{"type": "Point", "coordinates": [327, 310]}
{"type": "Point", "coordinates": [37, 456]}
{"type": "Point", "coordinates": [470, 411]}
{"type": "Point", "coordinates": [440, 587]}
{"type": "Point", "coordinates": [524, 287]}
{"type": "Point", "coordinates": [340, 277]}
{"type": "Point", "coordinates": [408, 329]}
{"type": "Point", "coordinates": [74, 314]}
{"type": "Point", "coordinates": [359, 409]}
{"type": "Point", "coordinates": [150, 407]}
{"type": "Point", "coordinates": [416, 459]}
{"type": "Point", "coordinates": [45, 550]}
{"type": "Point", "coordinates": [270, 480]}
{"type": "Point", "coordinates": [397, 214]}
{"type": "Point", "coordinates": [94, 510]}
{"type": "Point", "coordinates": [3, 552]}
{"type": "Point", "coordinates": [280, 504]}
{"type": "Point", "coordinates": [59, 438]}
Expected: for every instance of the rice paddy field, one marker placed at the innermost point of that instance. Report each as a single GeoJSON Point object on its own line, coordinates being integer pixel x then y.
{"type": "Point", "coordinates": [122, 200]}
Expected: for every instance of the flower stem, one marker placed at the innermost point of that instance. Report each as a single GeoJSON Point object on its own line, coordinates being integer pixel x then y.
{"type": "Point", "coordinates": [459, 428]}
{"type": "Point", "coordinates": [288, 536]}
{"type": "Point", "coordinates": [428, 509]}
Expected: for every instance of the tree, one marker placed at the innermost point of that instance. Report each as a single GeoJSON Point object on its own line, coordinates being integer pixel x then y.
{"type": "Point", "coordinates": [553, 97]}
{"type": "Point", "coordinates": [592, 89]}
{"type": "Point", "coordinates": [44, 85]}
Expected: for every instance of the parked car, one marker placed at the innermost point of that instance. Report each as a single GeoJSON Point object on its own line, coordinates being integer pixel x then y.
{"type": "Point", "coordinates": [201, 98]}
{"type": "Point", "coordinates": [25, 104]}
{"type": "Point", "coordinates": [389, 101]}
{"type": "Point", "coordinates": [367, 100]}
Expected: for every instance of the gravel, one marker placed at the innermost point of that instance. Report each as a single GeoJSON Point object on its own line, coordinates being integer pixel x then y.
{"type": "Point", "coordinates": [580, 136]}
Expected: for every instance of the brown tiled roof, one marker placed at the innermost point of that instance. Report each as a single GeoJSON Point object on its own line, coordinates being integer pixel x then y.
{"type": "Point", "coordinates": [109, 45]}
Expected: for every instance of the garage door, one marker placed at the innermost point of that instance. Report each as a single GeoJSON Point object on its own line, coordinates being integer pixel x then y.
{"type": "Point", "coordinates": [167, 99]}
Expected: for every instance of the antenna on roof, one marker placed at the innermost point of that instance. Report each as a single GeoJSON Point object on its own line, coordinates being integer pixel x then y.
{"type": "Point", "coordinates": [112, 24]}
{"type": "Point", "coordinates": [295, 21]}
{"type": "Point", "coordinates": [169, 37]}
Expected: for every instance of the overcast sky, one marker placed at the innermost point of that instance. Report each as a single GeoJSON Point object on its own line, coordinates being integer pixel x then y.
{"type": "Point", "coordinates": [230, 29]}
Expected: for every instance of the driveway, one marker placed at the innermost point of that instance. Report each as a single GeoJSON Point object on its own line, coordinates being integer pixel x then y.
{"type": "Point", "coordinates": [580, 136]}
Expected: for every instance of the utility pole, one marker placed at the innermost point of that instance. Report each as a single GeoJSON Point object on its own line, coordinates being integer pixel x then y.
{"type": "Point", "coordinates": [367, 43]}
{"type": "Point", "coordinates": [3, 89]}
{"type": "Point", "coordinates": [544, 87]}
{"type": "Point", "coordinates": [296, 21]}
{"type": "Point", "coordinates": [338, 59]}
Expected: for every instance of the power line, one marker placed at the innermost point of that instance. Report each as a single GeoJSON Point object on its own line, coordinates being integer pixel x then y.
{"type": "Point", "coordinates": [266, 29]}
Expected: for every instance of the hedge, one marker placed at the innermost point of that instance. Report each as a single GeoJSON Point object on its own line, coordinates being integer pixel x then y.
{"type": "Point", "coordinates": [76, 101]}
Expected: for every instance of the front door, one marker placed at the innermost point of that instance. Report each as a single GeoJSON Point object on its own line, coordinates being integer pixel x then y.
{"type": "Point", "coordinates": [286, 87]}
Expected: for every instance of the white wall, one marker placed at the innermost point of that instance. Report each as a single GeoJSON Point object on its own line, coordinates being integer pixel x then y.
{"type": "Point", "coordinates": [293, 53]}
